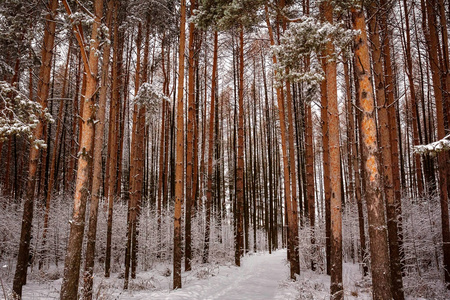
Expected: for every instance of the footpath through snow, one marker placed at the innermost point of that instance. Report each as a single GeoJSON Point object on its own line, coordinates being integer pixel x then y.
{"type": "Point", "coordinates": [261, 276]}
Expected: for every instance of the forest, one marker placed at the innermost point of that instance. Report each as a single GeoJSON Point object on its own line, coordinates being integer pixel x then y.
{"type": "Point", "coordinates": [224, 149]}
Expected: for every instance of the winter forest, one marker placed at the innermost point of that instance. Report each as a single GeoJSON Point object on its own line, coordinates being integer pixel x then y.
{"type": "Point", "coordinates": [213, 149]}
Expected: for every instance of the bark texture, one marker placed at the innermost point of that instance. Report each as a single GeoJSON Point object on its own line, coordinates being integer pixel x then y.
{"type": "Point", "coordinates": [20, 275]}
{"type": "Point", "coordinates": [379, 252]}
{"type": "Point", "coordinates": [69, 287]}
{"type": "Point", "coordinates": [179, 165]}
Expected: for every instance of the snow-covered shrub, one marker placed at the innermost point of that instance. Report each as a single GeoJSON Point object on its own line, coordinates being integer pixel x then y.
{"type": "Point", "coordinates": [141, 284]}
{"type": "Point", "coordinates": [422, 244]}
{"type": "Point", "coordinates": [207, 271]}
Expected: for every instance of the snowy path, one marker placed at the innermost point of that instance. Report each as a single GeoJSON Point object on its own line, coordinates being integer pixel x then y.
{"type": "Point", "coordinates": [262, 276]}
{"type": "Point", "coordinates": [258, 277]}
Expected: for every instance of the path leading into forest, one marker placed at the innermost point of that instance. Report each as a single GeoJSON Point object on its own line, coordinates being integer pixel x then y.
{"type": "Point", "coordinates": [259, 277]}
{"type": "Point", "coordinates": [262, 276]}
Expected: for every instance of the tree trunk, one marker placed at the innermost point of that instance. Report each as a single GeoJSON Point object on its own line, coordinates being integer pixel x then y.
{"type": "Point", "coordinates": [179, 170]}
{"type": "Point", "coordinates": [53, 160]}
{"type": "Point", "coordinates": [210, 175]}
{"type": "Point", "coordinates": [75, 112]}
{"type": "Point", "coordinates": [326, 156]}
{"type": "Point", "coordinates": [272, 230]}
{"type": "Point", "coordinates": [20, 275]}
{"type": "Point", "coordinates": [69, 288]}
{"type": "Point", "coordinates": [375, 206]}
{"type": "Point", "coordinates": [432, 42]}
{"type": "Point", "coordinates": [135, 157]}
{"type": "Point", "coordinates": [113, 139]}
{"type": "Point", "coordinates": [240, 156]}
{"type": "Point", "coordinates": [385, 153]}
{"type": "Point", "coordinates": [310, 180]}
{"type": "Point", "coordinates": [337, 289]}
{"type": "Point", "coordinates": [413, 104]}
{"type": "Point", "coordinates": [293, 225]}
{"type": "Point", "coordinates": [287, 188]}
{"type": "Point", "coordinates": [97, 165]}
{"type": "Point", "coordinates": [190, 143]}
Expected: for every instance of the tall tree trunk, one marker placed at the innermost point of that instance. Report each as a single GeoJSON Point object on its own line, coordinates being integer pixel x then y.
{"type": "Point", "coordinates": [209, 188]}
{"type": "Point", "coordinates": [6, 185]}
{"type": "Point", "coordinates": [69, 288]}
{"type": "Point", "coordinates": [337, 289]}
{"type": "Point", "coordinates": [272, 231]}
{"type": "Point", "coordinates": [446, 64]}
{"type": "Point", "coordinates": [326, 155]}
{"type": "Point", "coordinates": [310, 180]}
{"type": "Point", "coordinates": [20, 275]}
{"type": "Point", "coordinates": [240, 156]}
{"type": "Point", "coordinates": [432, 42]}
{"type": "Point", "coordinates": [161, 176]}
{"type": "Point", "coordinates": [359, 178]}
{"type": "Point", "coordinates": [97, 165]}
{"type": "Point", "coordinates": [179, 169]}
{"type": "Point", "coordinates": [53, 160]}
{"type": "Point", "coordinates": [326, 168]}
{"type": "Point", "coordinates": [113, 139]}
{"type": "Point", "coordinates": [190, 142]}
{"type": "Point", "coordinates": [287, 188]}
{"type": "Point", "coordinates": [415, 117]}
{"type": "Point", "coordinates": [385, 153]}
{"type": "Point", "coordinates": [292, 206]}
{"type": "Point", "coordinates": [375, 207]}
{"type": "Point", "coordinates": [141, 133]}
{"type": "Point", "coordinates": [75, 112]}
{"type": "Point", "coordinates": [293, 225]}
{"type": "Point", "coordinates": [135, 158]}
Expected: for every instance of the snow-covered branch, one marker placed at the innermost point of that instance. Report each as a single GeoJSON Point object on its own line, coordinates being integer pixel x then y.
{"type": "Point", "coordinates": [435, 147]}
{"type": "Point", "coordinates": [19, 115]}
{"type": "Point", "coordinates": [307, 39]}
{"type": "Point", "coordinates": [150, 98]}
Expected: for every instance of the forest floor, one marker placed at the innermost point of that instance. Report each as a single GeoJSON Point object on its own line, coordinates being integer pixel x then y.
{"type": "Point", "coordinates": [261, 276]}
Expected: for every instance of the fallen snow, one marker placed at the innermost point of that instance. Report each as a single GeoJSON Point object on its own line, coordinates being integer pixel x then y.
{"type": "Point", "coordinates": [261, 276]}
{"type": "Point", "coordinates": [258, 277]}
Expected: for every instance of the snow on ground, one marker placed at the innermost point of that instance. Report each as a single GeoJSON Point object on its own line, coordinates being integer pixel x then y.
{"type": "Point", "coordinates": [258, 278]}
{"type": "Point", "coordinates": [261, 276]}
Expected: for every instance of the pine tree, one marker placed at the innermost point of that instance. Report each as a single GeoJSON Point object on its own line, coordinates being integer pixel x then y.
{"type": "Point", "coordinates": [179, 169]}
{"type": "Point", "coordinates": [20, 275]}
{"type": "Point", "coordinates": [379, 252]}
{"type": "Point", "coordinates": [69, 287]}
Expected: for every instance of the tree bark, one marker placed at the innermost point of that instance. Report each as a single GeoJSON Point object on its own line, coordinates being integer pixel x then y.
{"type": "Point", "coordinates": [337, 289]}
{"type": "Point", "coordinates": [97, 165]}
{"type": "Point", "coordinates": [375, 206]}
{"type": "Point", "coordinates": [240, 157]}
{"type": "Point", "coordinates": [190, 143]}
{"type": "Point", "coordinates": [287, 188]}
{"type": "Point", "coordinates": [69, 288]}
{"type": "Point", "coordinates": [310, 181]}
{"type": "Point", "coordinates": [385, 153]}
{"type": "Point", "coordinates": [20, 275]}
{"type": "Point", "coordinates": [53, 160]}
{"type": "Point", "coordinates": [432, 42]}
{"type": "Point", "coordinates": [135, 158]}
{"type": "Point", "coordinates": [179, 170]}
{"type": "Point", "coordinates": [113, 133]}
{"type": "Point", "coordinates": [211, 142]}
{"type": "Point", "coordinates": [414, 112]}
